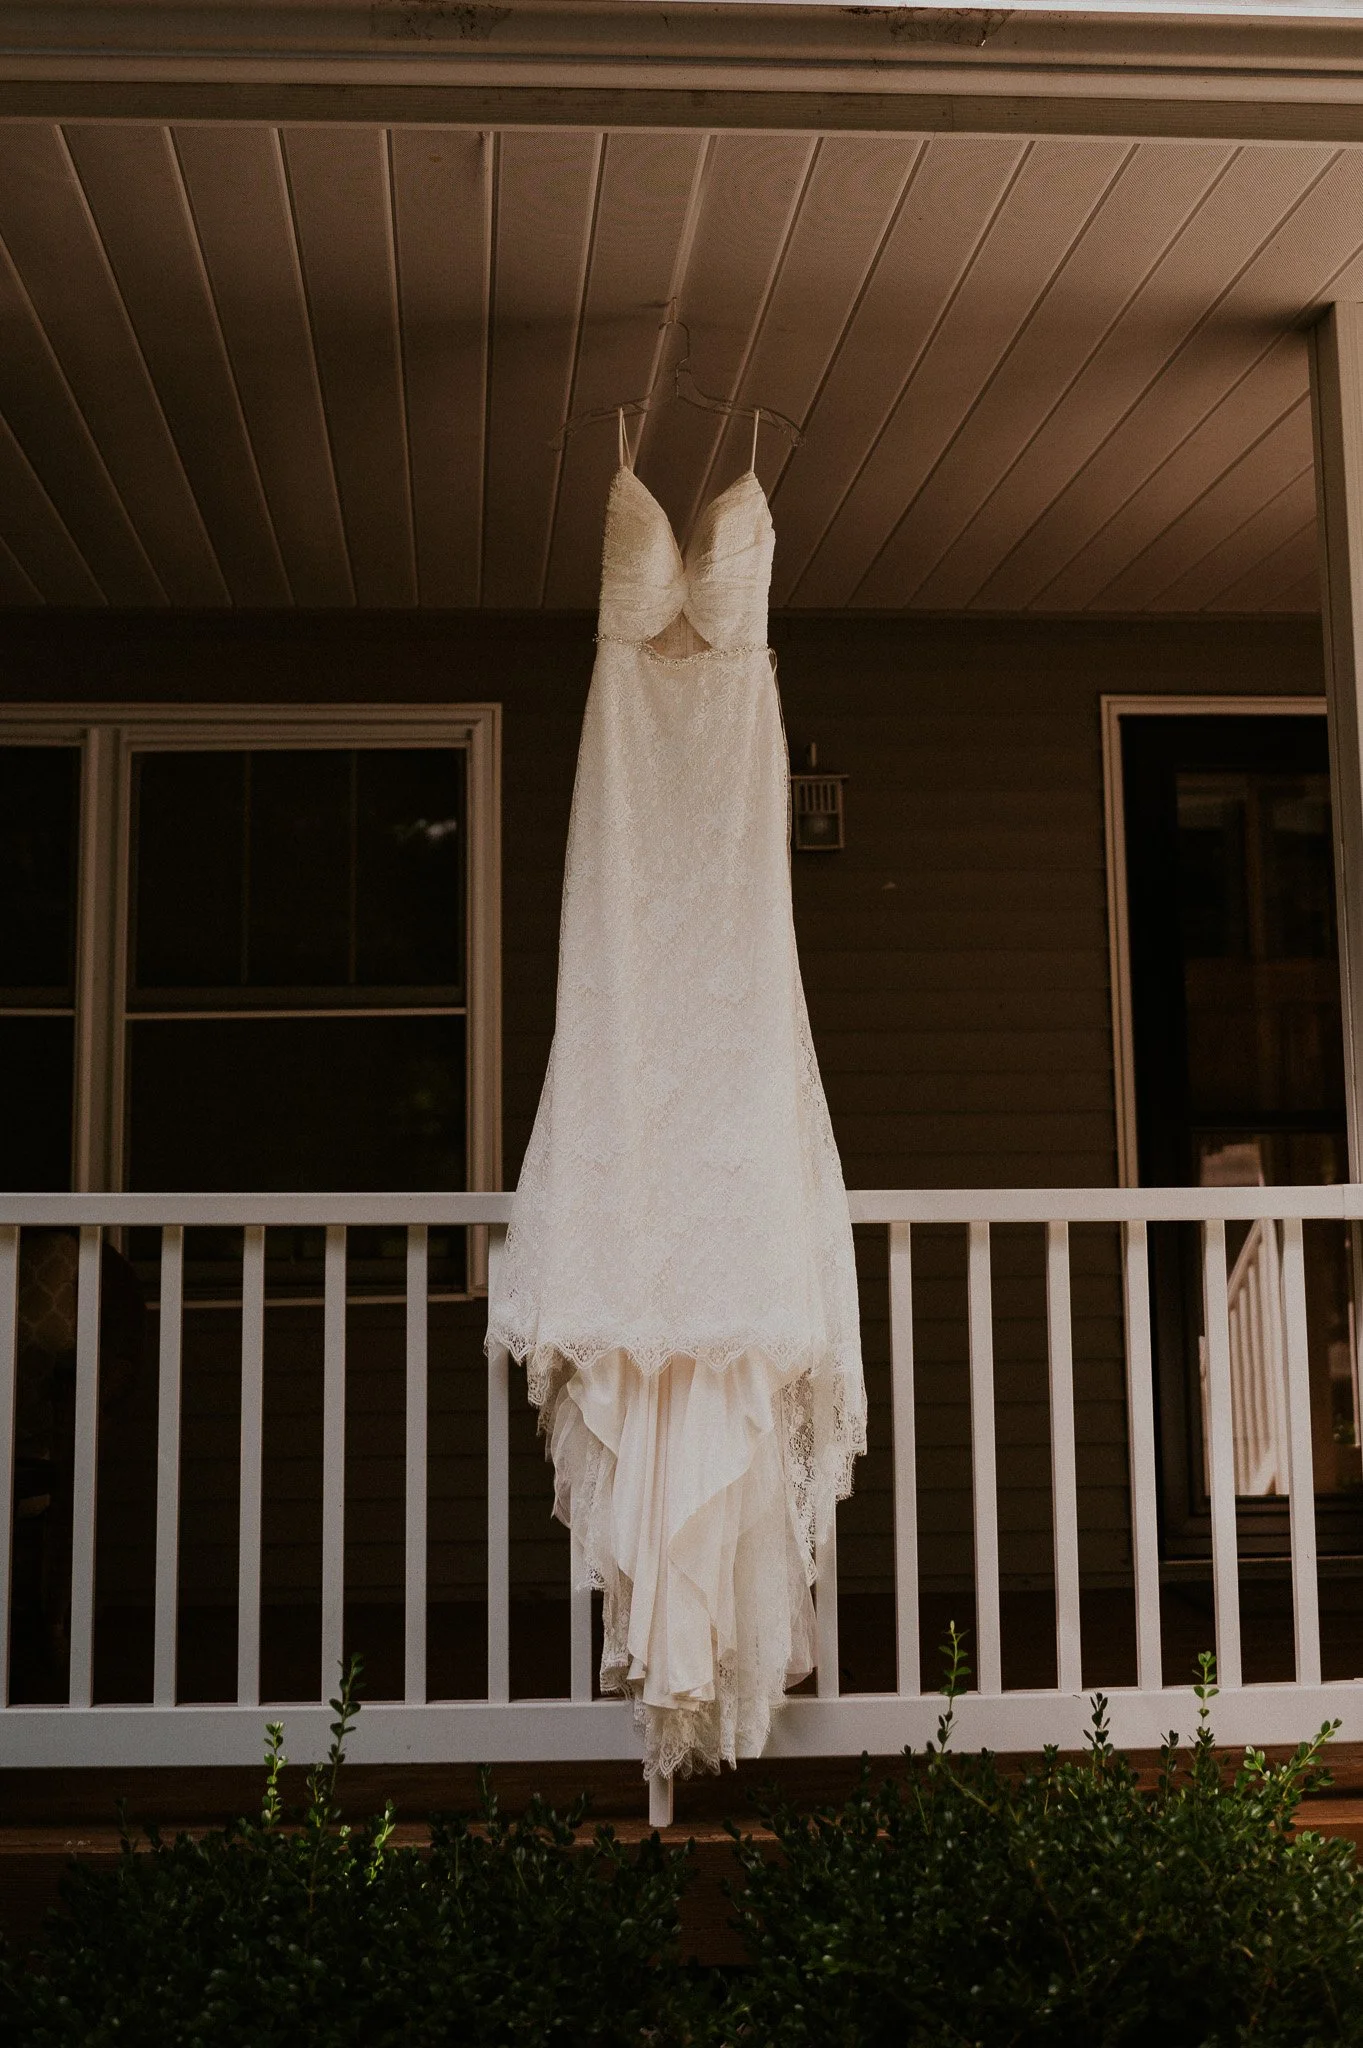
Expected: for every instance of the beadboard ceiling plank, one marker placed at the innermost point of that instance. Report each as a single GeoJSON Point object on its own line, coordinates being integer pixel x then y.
{"type": "Point", "coordinates": [952, 194]}
{"type": "Point", "coordinates": [752, 190]}
{"type": "Point", "coordinates": [132, 182]}
{"type": "Point", "coordinates": [442, 199]}
{"type": "Point", "coordinates": [546, 191]}
{"type": "Point", "coordinates": [56, 249]}
{"type": "Point", "coordinates": [46, 555]}
{"type": "Point", "coordinates": [1069, 555]}
{"type": "Point", "coordinates": [855, 186]}
{"type": "Point", "coordinates": [340, 186]}
{"type": "Point", "coordinates": [646, 216]}
{"type": "Point", "coordinates": [1116, 564]}
{"type": "Point", "coordinates": [238, 193]}
{"type": "Point", "coordinates": [1038, 220]}
{"type": "Point", "coordinates": [1301, 596]}
{"type": "Point", "coordinates": [1268, 581]}
{"type": "Point", "coordinates": [16, 590]}
{"type": "Point", "coordinates": [1137, 219]}
{"type": "Point", "coordinates": [1239, 551]}
{"type": "Point", "coordinates": [325, 367]}
{"type": "Point", "coordinates": [1235, 481]}
{"type": "Point", "coordinates": [1006, 550]}
{"type": "Point", "coordinates": [59, 450]}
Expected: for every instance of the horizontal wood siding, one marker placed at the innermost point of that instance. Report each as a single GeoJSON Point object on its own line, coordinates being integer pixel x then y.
{"type": "Point", "coordinates": [955, 959]}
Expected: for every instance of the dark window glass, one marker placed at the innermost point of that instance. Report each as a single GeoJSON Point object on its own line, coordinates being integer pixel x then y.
{"type": "Point", "coordinates": [1213, 911]}
{"type": "Point", "coordinates": [410, 869]}
{"type": "Point", "coordinates": [298, 877]}
{"type": "Point", "coordinates": [35, 1103]}
{"type": "Point", "coordinates": [1255, 879]}
{"type": "Point", "coordinates": [189, 812]}
{"type": "Point", "coordinates": [39, 793]}
{"type": "Point", "coordinates": [1239, 1070]}
{"type": "Point", "coordinates": [306, 881]}
{"type": "Point", "coordinates": [250, 1104]}
{"type": "Point", "coordinates": [1298, 870]}
{"type": "Point", "coordinates": [302, 862]}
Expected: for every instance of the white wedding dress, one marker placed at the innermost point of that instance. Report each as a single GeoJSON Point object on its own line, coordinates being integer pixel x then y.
{"type": "Point", "coordinates": [678, 1274]}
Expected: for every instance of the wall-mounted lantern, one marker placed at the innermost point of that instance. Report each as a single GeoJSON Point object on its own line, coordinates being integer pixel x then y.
{"type": "Point", "coordinates": [816, 809]}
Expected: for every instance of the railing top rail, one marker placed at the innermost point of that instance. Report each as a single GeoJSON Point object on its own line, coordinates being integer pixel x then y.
{"type": "Point", "coordinates": [1101, 1205]}
{"type": "Point", "coordinates": [868, 1205]}
{"type": "Point", "coordinates": [228, 1210]}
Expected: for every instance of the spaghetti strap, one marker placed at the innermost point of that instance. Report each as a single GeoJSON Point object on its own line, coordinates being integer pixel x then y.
{"type": "Point", "coordinates": [626, 455]}
{"type": "Point", "coordinates": [756, 423]}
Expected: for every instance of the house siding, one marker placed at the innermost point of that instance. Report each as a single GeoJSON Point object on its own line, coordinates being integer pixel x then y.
{"type": "Point", "coordinates": [955, 957]}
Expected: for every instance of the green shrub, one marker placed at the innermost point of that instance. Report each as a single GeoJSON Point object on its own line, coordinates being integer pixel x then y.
{"type": "Point", "coordinates": [1069, 1908]}
{"type": "Point", "coordinates": [957, 1908]}
{"type": "Point", "coordinates": [504, 1933]}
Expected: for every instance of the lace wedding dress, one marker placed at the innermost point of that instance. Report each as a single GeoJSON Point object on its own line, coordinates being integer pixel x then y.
{"type": "Point", "coordinates": [678, 1275]}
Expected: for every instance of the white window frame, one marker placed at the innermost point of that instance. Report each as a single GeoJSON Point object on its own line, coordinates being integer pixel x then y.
{"type": "Point", "coordinates": [108, 736]}
{"type": "Point", "coordinates": [1114, 710]}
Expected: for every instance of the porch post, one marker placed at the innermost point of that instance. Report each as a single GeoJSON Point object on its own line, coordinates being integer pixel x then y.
{"type": "Point", "coordinates": [1336, 350]}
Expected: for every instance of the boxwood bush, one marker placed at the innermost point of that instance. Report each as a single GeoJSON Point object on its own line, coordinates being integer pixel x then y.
{"type": "Point", "coordinates": [954, 1907]}
{"type": "Point", "coordinates": [1068, 1907]}
{"type": "Point", "coordinates": [314, 1933]}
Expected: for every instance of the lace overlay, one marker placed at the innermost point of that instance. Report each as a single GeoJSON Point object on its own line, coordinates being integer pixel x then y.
{"type": "Point", "coordinates": [678, 1275]}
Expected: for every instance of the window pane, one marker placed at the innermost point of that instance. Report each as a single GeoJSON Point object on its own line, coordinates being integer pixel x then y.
{"type": "Point", "coordinates": [188, 834]}
{"type": "Point", "coordinates": [301, 870]}
{"type": "Point", "coordinates": [35, 1103]}
{"type": "Point", "coordinates": [262, 876]}
{"type": "Point", "coordinates": [39, 792]}
{"type": "Point", "coordinates": [308, 1104]}
{"type": "Point", "coordinates": [1211, 851]}
{"type": "Point", "coordinates": [1299, 870]}
{"type": "Point", "coordinates": [1257, 919]}
{"type": "Point", "coordinates": [409, 868]}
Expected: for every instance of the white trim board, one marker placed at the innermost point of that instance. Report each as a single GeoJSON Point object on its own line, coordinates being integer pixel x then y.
{"type": "Point", "coordinates": [1114, 709]}
{"type": "Point", "coordinates": [110, 734]}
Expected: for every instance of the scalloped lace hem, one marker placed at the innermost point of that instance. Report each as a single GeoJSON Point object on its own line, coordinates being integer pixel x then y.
{"type": "Point", "coordinates": [694, 1495]}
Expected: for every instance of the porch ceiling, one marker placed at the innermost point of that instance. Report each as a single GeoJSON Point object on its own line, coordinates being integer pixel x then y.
{"type": "Point", "coordinates": [321, 365]}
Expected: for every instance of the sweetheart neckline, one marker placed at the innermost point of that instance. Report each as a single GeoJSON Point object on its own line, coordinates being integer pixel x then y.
{"type": "Point", "coordinates": [748, 476]}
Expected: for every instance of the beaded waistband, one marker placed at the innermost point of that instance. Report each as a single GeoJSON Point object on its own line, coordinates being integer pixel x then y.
{"type": "Point", "coordinates": [700, 653]}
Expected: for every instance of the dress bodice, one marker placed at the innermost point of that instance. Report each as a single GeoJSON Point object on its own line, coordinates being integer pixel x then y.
{"type": "Point", "coordinates": [719, 585]}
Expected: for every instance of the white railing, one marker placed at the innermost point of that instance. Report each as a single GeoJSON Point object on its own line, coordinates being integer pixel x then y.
{"type": "Point", "coordinates": [499, 1728]}
{"type": "Point", "coordinates": [1256, 1312]}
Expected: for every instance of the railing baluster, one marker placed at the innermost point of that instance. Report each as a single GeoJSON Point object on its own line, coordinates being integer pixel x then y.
{"type": "Point", "coordinates": [1301, 1500]}
{"type": "Point", "coordinates": [1221, 1427]}
{"type": "Point", "coordinates": [905, 1439]}
{"type": "Point", "coordinates": [414, 1662]}
{"type": "Point", "coordinates": [86, 1469]}
{"type": "Point", "coordinates": [1140, 1429]}
{"type": "Point", "coordinates": [1064, 1484]}
{"type": "Point", "coordinates": [9, 1363]}
{"type": "Point", "coordinates": [579, 1624]}
{"type": "Point", "coordinates": [252, 1463]}
{"type": "Point", "coordinates": [1273, 1296]}
{"type": "Point", "coordinates": [984, 1472]}
{"type": "Point", "coordinates": [333, 1454]}
{"type": "Point", "coordinates": [828, 1679]}
{"type": "Point", "coordinates": [498, 1499]}
{"type": "Point", "coordinates": [168, 1465]}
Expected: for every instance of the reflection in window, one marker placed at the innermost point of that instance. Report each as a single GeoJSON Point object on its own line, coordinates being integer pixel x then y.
{"type": "Point", "coordinates": [1257, 918]}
